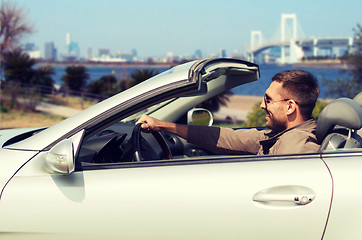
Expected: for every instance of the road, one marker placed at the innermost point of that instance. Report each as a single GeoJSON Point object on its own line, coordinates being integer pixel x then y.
{"type": "Point", "coordinates": [56, 109]}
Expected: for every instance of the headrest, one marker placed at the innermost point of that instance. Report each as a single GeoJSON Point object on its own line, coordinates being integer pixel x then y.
{"type": "Point", "coordinates": [343, 112]}
{"type": "Point", "coordinates": [358, 98]}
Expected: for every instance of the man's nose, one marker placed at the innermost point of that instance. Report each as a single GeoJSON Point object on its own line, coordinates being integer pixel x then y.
{"type": "Point", "coordinates": [262, 104]}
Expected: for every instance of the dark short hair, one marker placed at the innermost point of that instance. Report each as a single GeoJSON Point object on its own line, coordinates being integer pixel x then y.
{"type": "Point", "coordinates": [302, 87]}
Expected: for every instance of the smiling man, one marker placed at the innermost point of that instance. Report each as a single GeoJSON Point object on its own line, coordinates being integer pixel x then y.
{"type": "Point", "coordinates": [288, 103]}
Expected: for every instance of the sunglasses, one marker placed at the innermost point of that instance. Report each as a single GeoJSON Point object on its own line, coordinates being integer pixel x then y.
{"type": "Point", "coordinates": [268, 100]}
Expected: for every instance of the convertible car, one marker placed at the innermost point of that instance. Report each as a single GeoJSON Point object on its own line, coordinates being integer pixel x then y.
{"type": "Point", "coordinates": [95, 175]}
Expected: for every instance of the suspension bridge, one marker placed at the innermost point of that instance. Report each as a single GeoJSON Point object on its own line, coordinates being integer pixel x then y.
{"type": "Point", "coordinates": [292, 46]}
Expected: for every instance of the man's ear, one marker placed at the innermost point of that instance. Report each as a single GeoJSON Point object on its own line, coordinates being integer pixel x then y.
{"type": "Point", "coordinates": [291, 107]}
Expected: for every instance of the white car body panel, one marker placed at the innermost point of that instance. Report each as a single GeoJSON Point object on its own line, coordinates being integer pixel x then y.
{"type": "Point", "coordinates": [171, 202]}
{"type": "Point", "coordinates": [6, 134]}
{"type": "Point", "coordinates": [347, 196]}
{"type": "Point", "coordinates": [13, 160]}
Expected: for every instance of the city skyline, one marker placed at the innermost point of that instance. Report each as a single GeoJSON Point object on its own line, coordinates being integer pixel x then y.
{"type": "Point", "coordinates": [156, 28]}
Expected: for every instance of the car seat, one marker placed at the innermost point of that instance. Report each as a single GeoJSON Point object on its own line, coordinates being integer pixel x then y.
{"type": "Point", "coordinates": [358, 99]}
{"type": "Point", "coordinates": [338, 124]}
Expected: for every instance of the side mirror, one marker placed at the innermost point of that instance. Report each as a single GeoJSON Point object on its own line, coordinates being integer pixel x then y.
{"type": "Point", "coordinates": [60, 158]}
{"type": "Point", "coordinates": [199, 116]}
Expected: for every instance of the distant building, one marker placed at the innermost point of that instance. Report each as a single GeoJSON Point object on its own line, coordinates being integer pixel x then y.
{"type": "Point", "coordinates": [198, 53]}
{"type": "Point", "coordinates": [32, 51]}
{"type": "Point", "coordinates": [89, 53]}
{"type": "Point", "coordinates": [134, 53]}
{"type": "Point", "coordinates": [67, 39]}
{"type": "Point", "coordinates": [222, 53]}
{"type": "Point", "coordinates": [72, 49]}
{"type": "Point", "coordinates": [50, 52]}
{"type": "Point", "coordinates": [104, 52]}
{"type": "Point", "coordinates": [29, 47]}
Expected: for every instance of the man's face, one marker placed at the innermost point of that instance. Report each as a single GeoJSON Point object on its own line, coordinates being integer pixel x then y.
{"type": "Point", "coordinates": [275, 107]}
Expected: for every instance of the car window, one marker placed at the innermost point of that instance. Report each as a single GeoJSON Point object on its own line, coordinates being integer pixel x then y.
{"type": "Point", "coordinates": [134, 117]}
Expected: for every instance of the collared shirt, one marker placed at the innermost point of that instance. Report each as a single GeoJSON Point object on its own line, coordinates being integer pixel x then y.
{"type": "Point", "coordinates": [298, 139]}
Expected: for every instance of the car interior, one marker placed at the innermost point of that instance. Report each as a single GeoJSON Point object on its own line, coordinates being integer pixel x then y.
{"type": "Point", "coordinates": [119, 143]}
{"type": "Point", "coordinates": [338, 128]}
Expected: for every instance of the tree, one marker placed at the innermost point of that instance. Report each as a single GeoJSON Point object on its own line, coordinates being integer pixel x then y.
{"type": "Point", "coordinates": [19, 74]}
{"type": "Point", "coordinates": [213, 104]}
{"type": "Point", "coordinates": [255, 118]}
{"type": "Point", "coordinates": [318, 108]}
{"type": "Point", "coordinates": [18, 67]}
{"type": "Point", "coordinates": [141, 75]}
{"type": "Point", "coordinates": [44, 79]}
{"type": "Point", "coordinates": [355, 59]}
{"type": "Point", "coordinates": [75, 78]}
{"type": "Point", "coordinates": [352, 85]}
{"type": "Point", "coordinates": [23, 81]}
{"type": "Point", "coordinates": [105, 86]}
{"type": "Point", "coordinates": [14, 26]}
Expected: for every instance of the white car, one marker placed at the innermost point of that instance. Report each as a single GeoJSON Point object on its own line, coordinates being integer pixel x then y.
{"type": "Point", "coordinates": [94, 176]}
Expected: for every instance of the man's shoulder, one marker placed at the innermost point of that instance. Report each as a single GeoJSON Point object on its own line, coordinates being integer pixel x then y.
{"type": "Point", "coordinates": [301, 139]}
{"type": "Point", "coordinates": [304, 130]}
{"type": "Point", "coordinates": [297, 135]}
{"type": "Point", "coordinates": [308, 125]}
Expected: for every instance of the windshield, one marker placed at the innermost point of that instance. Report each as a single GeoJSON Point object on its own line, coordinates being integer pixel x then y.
{"type": "Point", "coordinates": [134, 117]}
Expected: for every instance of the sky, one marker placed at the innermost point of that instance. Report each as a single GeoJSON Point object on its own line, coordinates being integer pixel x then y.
{"type": "Point", "coordinates": [157, 27]}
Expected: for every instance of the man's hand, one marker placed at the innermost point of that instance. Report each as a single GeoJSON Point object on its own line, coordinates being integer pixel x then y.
{"type": "Point", "coordinates": [150, 124]}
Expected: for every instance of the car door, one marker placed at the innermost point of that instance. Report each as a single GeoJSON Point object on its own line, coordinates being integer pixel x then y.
{"type": "Point", "coordinates": [346, 214]}
{"type": "Point", "coordinates": [231, 197]}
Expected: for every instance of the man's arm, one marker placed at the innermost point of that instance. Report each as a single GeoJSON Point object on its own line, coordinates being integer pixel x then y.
{"type": "Point", "coordinates": [150, 124]}
{"type": "Point", "coordinates": [212, 138]}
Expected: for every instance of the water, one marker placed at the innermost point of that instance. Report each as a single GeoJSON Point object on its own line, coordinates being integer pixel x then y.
{"type": "Point", "coordinates": [96, 72]}
{"type": "Point", "coordinates": [259, 87]}
{"type": "Point", "coordinates": [255, 88]}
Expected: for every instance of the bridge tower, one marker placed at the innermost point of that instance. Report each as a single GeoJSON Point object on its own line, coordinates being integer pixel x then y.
{"type": "Point", "coordinates": [284, 40]}
{"type": "Point", "coordinates": [255, 42]}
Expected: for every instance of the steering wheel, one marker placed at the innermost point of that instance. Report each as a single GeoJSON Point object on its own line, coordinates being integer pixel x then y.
{"type": "Point", "coordinates": [137, 139]}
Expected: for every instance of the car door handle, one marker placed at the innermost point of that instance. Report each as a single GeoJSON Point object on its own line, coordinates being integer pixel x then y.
{"type": "Point", "coordinates": [285, 196]}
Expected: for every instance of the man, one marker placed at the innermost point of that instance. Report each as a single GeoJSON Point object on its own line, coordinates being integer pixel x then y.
{"type": "Point", "coordinates": [288, 103]}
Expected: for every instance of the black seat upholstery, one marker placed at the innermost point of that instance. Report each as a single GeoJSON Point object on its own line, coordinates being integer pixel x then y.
{"type": "Point", "coordinates": [338, 124]}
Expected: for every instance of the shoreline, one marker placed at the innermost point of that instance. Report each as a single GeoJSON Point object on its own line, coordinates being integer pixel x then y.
{"type": "Point", "coordinates": [326, 64]}
{"type": "Point", "coordinates": [109, 64]}
{"type": "Point", "coordinates": [331, 64]}
{"type": "Point", "coordinates": [243, 102]}
{"type": "Point", "coordinates": [237, 108]}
